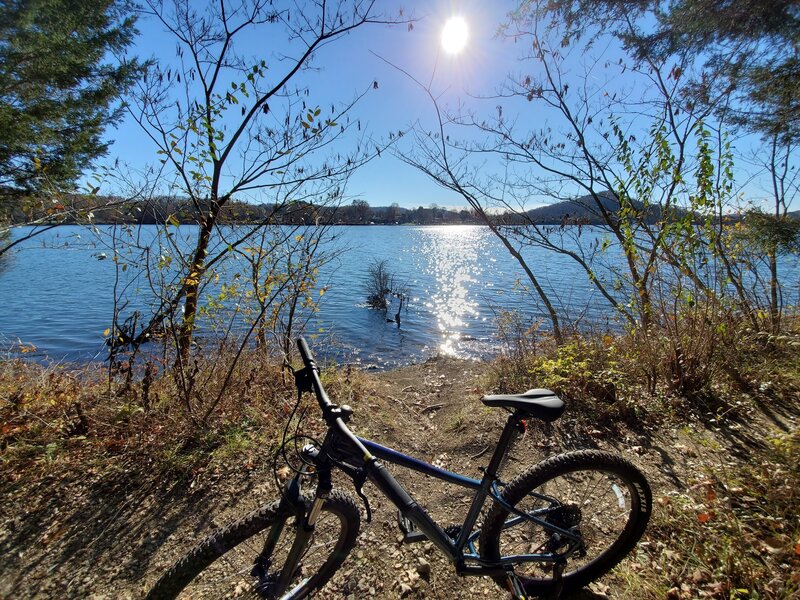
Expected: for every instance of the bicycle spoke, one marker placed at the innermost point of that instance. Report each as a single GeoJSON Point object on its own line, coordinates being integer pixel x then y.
{"type": "Point", "coordinates": [604, 505]}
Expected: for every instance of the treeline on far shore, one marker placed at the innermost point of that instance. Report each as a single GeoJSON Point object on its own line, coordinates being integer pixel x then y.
{"type": "Point", "coordinates": [77, 208]}
{"type": "Point", "coordinates": [86, 208]}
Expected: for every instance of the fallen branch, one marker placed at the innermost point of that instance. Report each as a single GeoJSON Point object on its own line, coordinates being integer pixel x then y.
{"type": "Point", "coordinates": [479, 454]}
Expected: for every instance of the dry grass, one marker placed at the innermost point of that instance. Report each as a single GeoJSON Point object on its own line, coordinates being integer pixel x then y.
{"type": "Point", "coordinates": [731, 532]}
{"type": "Point", "coordinates": [735, 533]}
{"type": "Point", "coordinates": [61, 414]}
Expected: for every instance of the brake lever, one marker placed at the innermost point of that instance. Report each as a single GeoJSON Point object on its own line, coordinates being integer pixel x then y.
{"type": "Point", "coordinates": [359, 479]}
{"type": "Point", "coordinates": [303, 380]}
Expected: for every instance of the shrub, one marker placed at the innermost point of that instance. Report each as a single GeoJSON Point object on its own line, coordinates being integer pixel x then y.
{"type": "Point", "coordinates": [379, 284]}
{"type": "Point", "coordinates": [591, 371]}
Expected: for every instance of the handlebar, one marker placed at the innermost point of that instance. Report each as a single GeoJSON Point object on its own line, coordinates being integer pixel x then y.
{"type": "Point", "coordinates": [308, 360]}
{"type": "Point", "coordinates": [305, 353]}
{"type": "Point", "coordinates": [331, 412]}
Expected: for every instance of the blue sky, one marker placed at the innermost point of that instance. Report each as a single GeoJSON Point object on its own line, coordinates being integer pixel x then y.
{"type": "Point", "coordinates": [348, 66]}
{"type": "Point", "coordinates": [351, 64]}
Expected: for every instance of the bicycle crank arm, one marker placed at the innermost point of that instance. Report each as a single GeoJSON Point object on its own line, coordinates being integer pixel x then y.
{"type": "Point", "coordinates": [515, 587]}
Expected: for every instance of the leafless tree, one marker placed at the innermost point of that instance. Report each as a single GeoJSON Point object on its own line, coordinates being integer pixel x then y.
{"type": "Point", "coordinates": [228, 124]}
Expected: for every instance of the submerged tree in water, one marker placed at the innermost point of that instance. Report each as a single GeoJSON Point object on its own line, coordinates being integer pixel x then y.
{"type": "Point", "coordinates": [379, 284]}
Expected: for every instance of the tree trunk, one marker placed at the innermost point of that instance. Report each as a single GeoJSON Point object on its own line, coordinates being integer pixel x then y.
{"type": "Point", "coordinates": [557, 335]}
{"type": "Point", "coordinates": [193, 279]}
{"type": "Point", "coordinates": [774, 300]}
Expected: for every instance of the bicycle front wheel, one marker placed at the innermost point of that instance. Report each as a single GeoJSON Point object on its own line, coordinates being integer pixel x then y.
{"type": "Point", "coordinates": [233, 563]}
{"type": "Point", "coordinates": [600, 496]}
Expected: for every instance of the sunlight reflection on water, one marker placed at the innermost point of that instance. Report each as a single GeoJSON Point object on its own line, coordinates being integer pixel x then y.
{"type": "Point", "coordinates": [56, 294]}
{"type": "Point", "coordinates": [453, 256]}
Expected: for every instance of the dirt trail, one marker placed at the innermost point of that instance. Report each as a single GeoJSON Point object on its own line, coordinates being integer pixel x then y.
{"type": "Point", "coordinates": [109, 531]}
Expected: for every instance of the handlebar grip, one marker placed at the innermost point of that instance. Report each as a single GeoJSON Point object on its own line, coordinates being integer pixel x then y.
{"type": "Point", "coordinates": [305, 353]}
{"type": "Point", "coordinates": [316, 384]}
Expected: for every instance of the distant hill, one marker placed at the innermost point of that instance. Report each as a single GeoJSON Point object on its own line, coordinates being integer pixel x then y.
{"type": "Point", "coordinates": [584, 210]}
{"type": "Point", "coordinates": [76, 208]}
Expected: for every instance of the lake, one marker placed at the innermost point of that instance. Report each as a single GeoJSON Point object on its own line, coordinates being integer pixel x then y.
{"type": "Point", "coordinates": [57, 300]}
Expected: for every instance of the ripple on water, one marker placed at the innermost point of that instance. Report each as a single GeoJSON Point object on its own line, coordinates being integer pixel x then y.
{"type": "Point", "coordinates": [458, 277]}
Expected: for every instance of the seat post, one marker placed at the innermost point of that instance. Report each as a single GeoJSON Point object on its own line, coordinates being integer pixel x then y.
{"type": "Point", "coordinates": [489, 477]}
{"type": "Point", "coordinates": [512, 423]}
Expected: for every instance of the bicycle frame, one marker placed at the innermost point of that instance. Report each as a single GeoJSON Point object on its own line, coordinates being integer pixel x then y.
{"type": "Point", "coordinates": [463, 548]}
{"type": "Point", "coordinates": [359, 457]}
{"type": "Point", "coordinates": [308, 534]}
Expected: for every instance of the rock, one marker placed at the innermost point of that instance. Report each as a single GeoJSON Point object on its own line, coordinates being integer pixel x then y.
{"type": "Point", "coordinates": [423, 568]}
{"type": "Point", "coordinates": [420, 587]}
{"type": "Point", "coordinates": [405, 590]}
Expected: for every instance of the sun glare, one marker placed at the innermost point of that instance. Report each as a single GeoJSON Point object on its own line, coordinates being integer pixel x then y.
{"type": "Point", "coordinates": [455, 35]}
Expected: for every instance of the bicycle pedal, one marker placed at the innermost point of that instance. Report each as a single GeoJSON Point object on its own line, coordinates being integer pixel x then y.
{"type": "Point", "coordinates": [410, 532]}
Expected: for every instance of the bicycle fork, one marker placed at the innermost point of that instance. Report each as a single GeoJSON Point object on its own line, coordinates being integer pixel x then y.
{"type": "Point", "coordinates": [305, 529]}
{"type": "Point", "coordinates": [306, 523]}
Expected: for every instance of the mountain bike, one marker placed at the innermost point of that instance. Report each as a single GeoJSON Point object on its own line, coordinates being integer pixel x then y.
{"type": "Point", "coordinates": [553, 529]}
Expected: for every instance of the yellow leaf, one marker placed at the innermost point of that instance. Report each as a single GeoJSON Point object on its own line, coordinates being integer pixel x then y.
{"type": "Point", "coordinates": [298, 238]}
{"type": "Point", "coordinates": [106, 332]}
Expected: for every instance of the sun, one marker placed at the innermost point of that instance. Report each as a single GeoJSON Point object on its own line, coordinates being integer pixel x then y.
{"type": "Point", "coordinates": [455, 35]}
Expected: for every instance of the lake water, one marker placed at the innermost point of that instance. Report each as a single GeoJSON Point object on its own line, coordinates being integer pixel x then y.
{"type": "Point", "coordinates": [56, 294]}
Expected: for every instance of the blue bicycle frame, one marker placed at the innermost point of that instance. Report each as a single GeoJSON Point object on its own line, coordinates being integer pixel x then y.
{"type": "Point", "coordinates": [362, 459]}
{"type": "Point", "coordinates": [463, 549]}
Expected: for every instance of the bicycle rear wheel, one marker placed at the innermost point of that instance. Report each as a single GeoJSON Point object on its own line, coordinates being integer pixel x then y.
{"type": "Point", "coordinates": [224, 565]}
{"type": "Point", "coordinates": [600, 495]}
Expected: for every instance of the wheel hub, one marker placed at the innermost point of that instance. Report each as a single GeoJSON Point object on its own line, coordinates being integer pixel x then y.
{"type": "Point", "coordinates": [567, 517]}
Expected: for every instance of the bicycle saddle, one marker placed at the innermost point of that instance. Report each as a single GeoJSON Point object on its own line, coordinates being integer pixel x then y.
{"type": "Point", "coordinates": [539, 403]}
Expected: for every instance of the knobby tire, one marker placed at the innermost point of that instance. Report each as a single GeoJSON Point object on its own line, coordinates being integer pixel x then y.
{"type": "Point", "coordinates": [339, 505]}
{"type": "Point", "coordinates": [626, 502]}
